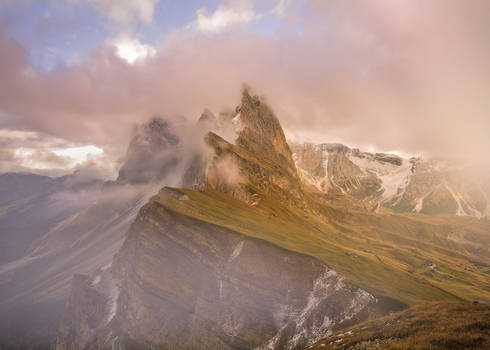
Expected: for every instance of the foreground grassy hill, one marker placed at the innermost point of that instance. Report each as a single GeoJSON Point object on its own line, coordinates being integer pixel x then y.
{"type": "Point", "coordinates": [425, 326]}
{"type": "Point", "coordinates": [408, 258]}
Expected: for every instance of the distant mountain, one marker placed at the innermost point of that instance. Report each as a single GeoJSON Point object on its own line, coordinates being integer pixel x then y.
{"type": "Point", "coordinates": [404, 185]}
{"type": "Point", "coordinates": [31, 204]}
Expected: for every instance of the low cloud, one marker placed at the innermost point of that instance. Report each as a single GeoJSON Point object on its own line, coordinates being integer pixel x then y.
{"type": "Point", "coordinates": [22, 151]}
{"type": "Point", "coordinates": [406, 76]}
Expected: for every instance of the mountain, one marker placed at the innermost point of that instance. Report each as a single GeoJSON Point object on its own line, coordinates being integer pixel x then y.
{"type": "Point", "coordinates": [368, 180]}
{"type": "Point", "coordinates": [181, 282]}
{"type": "Point", "coordinates": [248, 256]}
{"type": "Point", "coordinates": [31, 204]}
{"type": "Point", "coordinates": [225, 237]}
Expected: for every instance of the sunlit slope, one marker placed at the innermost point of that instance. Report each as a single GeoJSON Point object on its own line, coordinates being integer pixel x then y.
{"type": "Point", "coordinates": [405, 257]}
{"type": "Point", "coordinates": [425, 326]}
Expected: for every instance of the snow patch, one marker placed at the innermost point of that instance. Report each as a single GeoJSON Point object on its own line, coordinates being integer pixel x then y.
{"type": "Point", "coordinates": [236, 251]}
{"type": "Point", "coordinates": [394, 178]}
{"type": "Point", "coordinates": [419, 204]}
{"type": "Point", "coordinates": [325, 156]}
{"type": "Point", "coordinates": [113, 302]}
{"type": "Point", "coordinates": [460, 201]}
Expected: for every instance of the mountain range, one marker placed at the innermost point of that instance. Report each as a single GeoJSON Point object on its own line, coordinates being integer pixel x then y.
{"type": "Point", "coordinates": [241, 241]}
{"type": "Point", "coordinates": [432, 186]}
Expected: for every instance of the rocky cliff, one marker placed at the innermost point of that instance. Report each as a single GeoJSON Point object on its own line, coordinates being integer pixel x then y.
{"type": "Point", "coordinates": [180, 283]}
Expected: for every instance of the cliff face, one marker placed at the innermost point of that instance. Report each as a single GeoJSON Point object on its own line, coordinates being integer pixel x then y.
{"type": "Point", "coordinates": [181, 283]}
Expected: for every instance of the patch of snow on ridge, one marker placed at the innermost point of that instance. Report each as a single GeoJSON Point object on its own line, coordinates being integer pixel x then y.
{"type": "Point", "coordinates": [236, 251]}
{"type": "Point", "coordinates": [394, 178]}
{"type": "Point", "coordinates": [325, 156]}
{"type": "Point", "coordinates": [460, 201]}
{"type": "Point", "coordinates": [113, 302]}
{"type": "Point", "coordinates": [419, 204]}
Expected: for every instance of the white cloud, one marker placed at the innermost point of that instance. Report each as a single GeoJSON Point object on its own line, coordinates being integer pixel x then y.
{"type": "Point", "coordinates": [131, 49]}
{"type": "Point", "coordinates": [58, 158]}
{"type": "Point", "coordinates": [280, 8]}
{"type": "Point", "coordinates": [232, 12]}
{"type": "Point", "coordinates": [124, 10]}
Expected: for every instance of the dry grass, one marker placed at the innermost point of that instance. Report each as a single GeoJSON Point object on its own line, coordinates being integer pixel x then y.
{"type": "Point", "coordinates": [425, 326]}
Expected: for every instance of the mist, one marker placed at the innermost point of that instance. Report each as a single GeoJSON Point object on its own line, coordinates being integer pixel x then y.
{"type": "Point", "coordinates": [409, 77]}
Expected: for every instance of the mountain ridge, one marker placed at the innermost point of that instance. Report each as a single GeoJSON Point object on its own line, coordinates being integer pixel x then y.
{"type": "Point", "coordinates": [388, 180]}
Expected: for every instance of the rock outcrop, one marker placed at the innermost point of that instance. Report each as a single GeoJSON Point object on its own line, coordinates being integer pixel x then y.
{"type": "Point", "coordinates": [258, 161]}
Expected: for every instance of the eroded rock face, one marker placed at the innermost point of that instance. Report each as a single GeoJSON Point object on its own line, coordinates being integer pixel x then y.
{"type": "Point", "coordinates": [179, 283]}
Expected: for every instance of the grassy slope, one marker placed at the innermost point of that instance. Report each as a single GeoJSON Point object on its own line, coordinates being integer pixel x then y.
{"type": "Point", "coordinates": [401, 243]}
{"type": "Point", "coordinates": [425, 326]}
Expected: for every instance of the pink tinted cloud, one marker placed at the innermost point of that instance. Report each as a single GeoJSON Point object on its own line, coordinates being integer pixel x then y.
{"type": "Point", "coordinates": [411, 76]}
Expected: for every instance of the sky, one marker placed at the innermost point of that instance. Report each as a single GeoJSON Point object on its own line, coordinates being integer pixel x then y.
{"type": "Point", "coordinates": [405, 76]}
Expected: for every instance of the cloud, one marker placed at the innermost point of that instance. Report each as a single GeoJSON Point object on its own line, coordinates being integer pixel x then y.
{"type": "Point", "coordinates": [23, 151]}
{"type": "Point", "coordinates": [230, 13]}
{"type": "Point", "coordinates": [409, 76]}
{"type": "Point", "coordinates": [280, 7]}
{"type": "Point", "coordinates": [131, 49]}
{"type": "Point", "coordinates": [124, 11]}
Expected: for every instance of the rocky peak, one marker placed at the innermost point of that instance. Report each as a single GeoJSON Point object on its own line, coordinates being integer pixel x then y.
{"type": "Point", "coordinates": [149, 154]}
{"type": "Point", "coordinates": [258, 161]}
{"type": "Point", "coordinates": [261, 133]}
{"type": "Point", "coordinates": [208, 121]}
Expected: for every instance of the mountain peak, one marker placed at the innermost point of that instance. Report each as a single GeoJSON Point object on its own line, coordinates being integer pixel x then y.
{"type": "Point", "coordinates": [261, 133]}
{"type": "Point", "coordinates": [148, 155]}
{"type": "Point", "coordinates": [258, 161]}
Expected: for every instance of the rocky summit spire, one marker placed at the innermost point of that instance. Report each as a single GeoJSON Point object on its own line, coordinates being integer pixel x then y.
{"type": "Point", "coordinates": [261, 133]}
{"type": "Point", "coordinates": [259, 162]}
